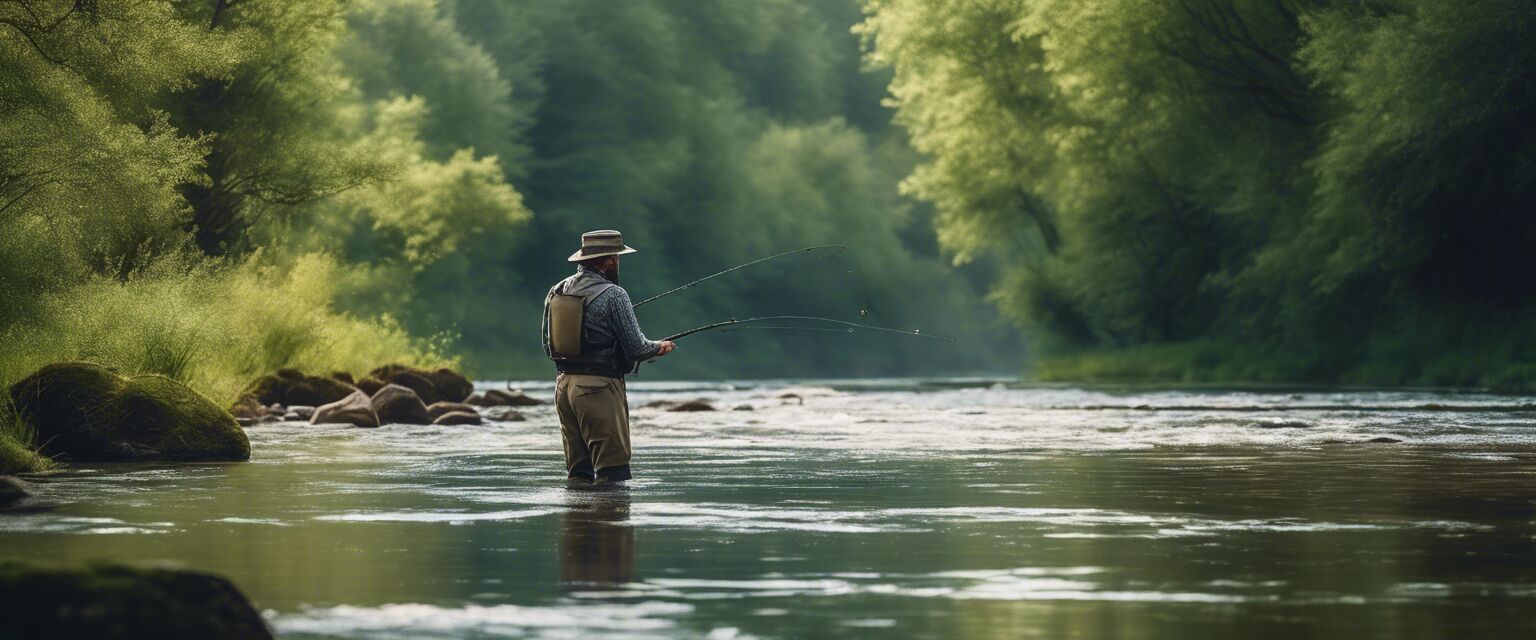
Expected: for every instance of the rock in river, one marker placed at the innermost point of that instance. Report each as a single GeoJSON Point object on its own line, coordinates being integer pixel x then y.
{"type": "Point", "coordinates": [84, 411]}
{"type": "Point", "coordinates": [431, 385]}
{"type": "Point", "coordinates": [356, 410]}
{"type": "Point", "coordinates": [693, 405]}
{"type": "Point", "coordinates": [115, 602]}
{"type": "Point", "coordinates": [437, 409]}
{"type": "Point", "coordinates": [504, 414]}
{"type": "Point", "coordinates": [504, 397]}
{"type": "Point", "coordinates": [395, 404]}
{"type": "Point", "coordinates": [288, 387]}
{"type": "Point", "coordinates": [458, 417]}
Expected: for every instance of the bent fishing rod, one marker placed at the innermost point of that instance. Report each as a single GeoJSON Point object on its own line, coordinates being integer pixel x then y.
{"type": "Point", "coordinates": [863, 311]}
{"type": "Point", "coordinates": [733, 322]}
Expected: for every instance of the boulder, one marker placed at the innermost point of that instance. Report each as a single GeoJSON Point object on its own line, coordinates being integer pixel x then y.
{"type": "Point", "coordinates": [437, 409]}
{"type": "Point", "coordinates": [458, 417]}
{"type": "Point", "coordinates": [432, 385]}
{"type": "Point", "coordinates": [343, 377]}
{"type": "Point", "coordinates": [356, 410]}
{"type": "Point", "coordinates": [512, 398]}
{"type": "Point", "coordinates": [743, 407]}
{"type": "Point", "coordinates": [693, 405]}
{"type": "Point", "coordinates": [86, 412]}
{"type": "Point", "coordinates": [303, 412]}
{"type": "Point", "coordinates": [115, 602]}
{"type": "Point", "coordinates": [476, 399]}
{"type": "Point", "coordinates": [395, 404]}
{"type": "Point", "coordinates": [370, 386]}
{"type": "Point", "coordinates": [504, 414]}
{"type": "Point", "coordinates": [247, 407]}
{"type": "Point", "coordinates": [291, 387]}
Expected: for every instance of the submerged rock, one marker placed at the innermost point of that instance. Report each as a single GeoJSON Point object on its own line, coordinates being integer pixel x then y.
{"type": "Point", "coordinates": [289, 387]}
{"type": "Point", "coordinates": [1283, 424]}
{"type": "Point", "coordinates": [693, 405]}
{"type": "Point", "coordinates": [660, 404]}
{"type": "Point", "coordinates": [395, 404]}
{"type": "Point", "coordinates": [84, 411]}
{"type": "Point", "coordinates": [437, 409]}
{"type": "Point", "coordinates": [356, 410]}
{"type": "Point", "coordinates": [512, 398]}
{"type": "Point", "coordinates": [504, 414]}
{"type": "Point", "coordinates": [432, 386]}
{"type": "Point", "coordinates": [1384, 440]}
{"type": "Point", "coordinates": [458, 417]}
{"type": "Point", "coordinates": [112, 602]}
{"type": "Point", "coordinates": [743, 407]}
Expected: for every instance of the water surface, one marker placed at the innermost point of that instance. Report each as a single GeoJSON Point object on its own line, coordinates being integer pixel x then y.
{"type": "Point", "coordinates": [867, 509]}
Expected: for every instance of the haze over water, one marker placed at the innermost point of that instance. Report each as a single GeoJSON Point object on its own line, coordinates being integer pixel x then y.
{"type": "Point", "coordinates": [938, 509]}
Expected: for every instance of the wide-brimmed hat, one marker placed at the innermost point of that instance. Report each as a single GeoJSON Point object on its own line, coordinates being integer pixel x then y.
{"type": "Point", "coordinates": [596, 244]}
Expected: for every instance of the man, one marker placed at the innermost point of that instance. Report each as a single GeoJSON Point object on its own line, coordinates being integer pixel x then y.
{"type": "Point", "coordinates": [591, 333]}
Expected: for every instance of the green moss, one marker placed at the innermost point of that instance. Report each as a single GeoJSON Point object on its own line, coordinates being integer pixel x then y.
{"type": "Point", "coordinates": [115, 601]}
{"type": "Point", "coordinates": [83, 411]}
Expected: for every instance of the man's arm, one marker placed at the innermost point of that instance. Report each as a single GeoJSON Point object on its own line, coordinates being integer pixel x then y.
{"type": "Point", "coordinates": [626, 327]}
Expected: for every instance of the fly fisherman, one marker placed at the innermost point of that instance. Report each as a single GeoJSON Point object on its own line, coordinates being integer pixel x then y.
{"type": "Point", "coordinates": [591, 333]}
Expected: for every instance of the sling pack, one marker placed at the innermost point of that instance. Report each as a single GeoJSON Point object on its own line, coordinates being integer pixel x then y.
{"type": "Point", "coordinates": [571, 345]}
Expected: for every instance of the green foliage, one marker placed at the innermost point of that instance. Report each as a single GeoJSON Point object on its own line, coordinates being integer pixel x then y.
{"type": "Point", "coordinates": [18, 442]}
{"type": "Point", "coordinates": [1295, 177]}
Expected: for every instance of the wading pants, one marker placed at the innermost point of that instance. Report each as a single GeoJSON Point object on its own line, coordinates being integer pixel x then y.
{"type": "Point", "coordinates": [594, 422]}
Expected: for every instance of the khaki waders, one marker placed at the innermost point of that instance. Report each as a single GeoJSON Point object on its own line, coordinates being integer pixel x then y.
{"type": "Point", "coordinates": [594, 423]}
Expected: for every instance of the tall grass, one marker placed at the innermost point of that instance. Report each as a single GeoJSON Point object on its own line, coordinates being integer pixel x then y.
{"type": "Point", "coordinates": [213, 327]}
{"type": "Point", "coordinates": [18, 442]}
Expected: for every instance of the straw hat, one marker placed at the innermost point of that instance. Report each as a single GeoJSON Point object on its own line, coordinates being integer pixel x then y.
{"type": "Point", "coordinates": [596, 244]}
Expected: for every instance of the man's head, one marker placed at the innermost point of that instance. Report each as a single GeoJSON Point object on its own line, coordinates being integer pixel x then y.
{"type": "Point", "coordinates": [600, 251]}
{"type": "Point", "coordinates": [606, 265]}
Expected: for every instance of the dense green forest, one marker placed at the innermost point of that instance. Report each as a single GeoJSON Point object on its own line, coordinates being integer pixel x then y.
{"type": "Point", "coordinates": [214, 189]}
{"type": "Point", "coordinates": [1283, 190]}
{"type": "Point", "coordinates": [1269, 190]}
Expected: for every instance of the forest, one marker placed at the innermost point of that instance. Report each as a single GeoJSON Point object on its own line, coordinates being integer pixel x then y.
{"type": "Point", "coordinates": [1194, 190]}
{"type": "Point", "coordinates": [1234, 190]}
{"type": "Point", "coordinates": [215, 190]}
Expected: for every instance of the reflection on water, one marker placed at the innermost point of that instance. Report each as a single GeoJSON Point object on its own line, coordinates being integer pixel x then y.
{"type": "Point", "coordinates": [597, 542]}
{"type": "Point", "coordinates": [870, 510]}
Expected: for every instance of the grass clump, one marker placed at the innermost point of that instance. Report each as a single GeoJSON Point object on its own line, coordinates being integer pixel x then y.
{"type": "Point", "coordinates": [18, 442]}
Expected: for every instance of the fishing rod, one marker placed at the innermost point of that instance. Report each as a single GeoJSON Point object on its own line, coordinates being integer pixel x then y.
{"type": "Point", "coordinates": [863, 310]}
{"type": "Point", "coordinates": [851, 327]}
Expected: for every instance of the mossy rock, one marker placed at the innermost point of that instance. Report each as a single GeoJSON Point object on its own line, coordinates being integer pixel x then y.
{"type": "Point", "coordinates": [371, 385]}
{"type": "Point", "coordinates": [84, 411]}
{"type": "Point", "coordinates": [343, 376]}
{"type": "Point", "coordinates": [441, 385]}
{"type": "Point", "coordinates": [293, 387]}
{"type": "Point", "coordinates": [115, 602]}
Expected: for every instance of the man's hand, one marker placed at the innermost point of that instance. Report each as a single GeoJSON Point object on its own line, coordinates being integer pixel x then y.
{"type": "Point", "coordinates": [666, 347]}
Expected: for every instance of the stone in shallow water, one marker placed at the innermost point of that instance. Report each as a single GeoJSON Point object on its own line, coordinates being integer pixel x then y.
{"type": "Point", "coordinates": [504, 414]}
{"type": "Point", "coordinates": [355, 410]}
{"type": "Point", "coordinates": [395, 404]}
{"type": "Point", "coordinates": [112, 602]}
{"type": "Point", "coordinates": [693, 405]}
{"type": "Point", "coordinates": [438, 409]}
{"type": "Point", "coordinates": [457, 418]}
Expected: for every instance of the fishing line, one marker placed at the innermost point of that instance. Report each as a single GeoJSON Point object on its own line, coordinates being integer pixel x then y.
{"type": "Point", "coordinates": [852, 326]}
{"type": "Point", "coordinates": [829, 249]}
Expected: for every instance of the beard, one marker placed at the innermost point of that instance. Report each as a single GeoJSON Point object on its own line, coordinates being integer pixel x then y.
{"type": "Point", "coordinates": [611, 273]}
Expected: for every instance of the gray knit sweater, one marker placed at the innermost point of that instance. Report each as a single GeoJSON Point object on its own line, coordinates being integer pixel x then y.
{"type": "Point", "coordinates": [611, 315]}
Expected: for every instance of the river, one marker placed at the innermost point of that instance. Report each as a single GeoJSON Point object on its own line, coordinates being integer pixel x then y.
{"type": "Point", "coordinates": [862, 509]}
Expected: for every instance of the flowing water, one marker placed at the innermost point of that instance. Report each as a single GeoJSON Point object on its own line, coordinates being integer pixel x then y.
{"type": "Point", "coordinates": [875, 509]}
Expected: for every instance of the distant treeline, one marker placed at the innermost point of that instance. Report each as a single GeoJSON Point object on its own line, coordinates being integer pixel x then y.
{"type": "Point", "coordinates": [1305, 190]}
{"type": "Point", "coordinates": [213, 189]}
